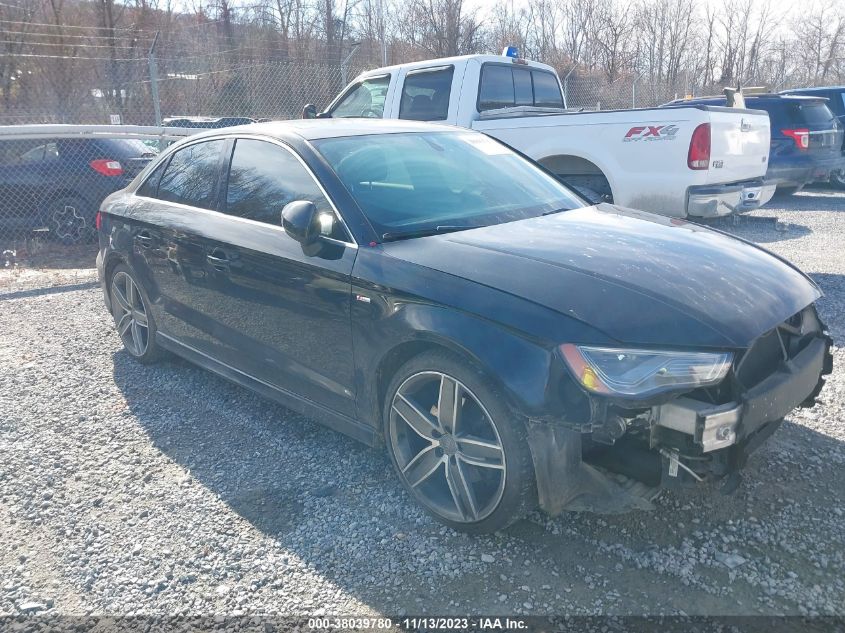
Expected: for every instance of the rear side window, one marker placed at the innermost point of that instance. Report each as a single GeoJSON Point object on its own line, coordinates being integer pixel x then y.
{"type": "Point", "coordinates": [191, 175]}
{"type": "Point", "coordinates": [506, 86]}
{"type": "Point", "coordinates": [425, 95]}
{"type": "Point", "coordinates": [496, 87]}
{"type": "Point", "coordinates": [125, 148]}
{"type": "Point", "coordinates": [546, 90]}
{"type": "Point", "coordinates": [816, 114]}
{"type": "Point", "coordinates": [149, 188]}
{"type": "Point", "coordinates": [263, 178]}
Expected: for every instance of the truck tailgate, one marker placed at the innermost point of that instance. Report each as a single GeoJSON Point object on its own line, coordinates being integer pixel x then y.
{"type": "Point", "coordinates": [739, 144]}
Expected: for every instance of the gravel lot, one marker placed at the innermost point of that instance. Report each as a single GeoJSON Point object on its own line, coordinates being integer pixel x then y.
{"type": "Point", "coordinates": [127, 489]}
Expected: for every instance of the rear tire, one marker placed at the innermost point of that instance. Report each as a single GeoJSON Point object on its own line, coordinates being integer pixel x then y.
{"type": "Point", "coordinates": [837, 180]}
{"type": "Point", "coordinates": [787, 191]}
{"type": "Point", "coordinates": [470, 466]}
{"type": "Point", "coordinates": [132, 316]}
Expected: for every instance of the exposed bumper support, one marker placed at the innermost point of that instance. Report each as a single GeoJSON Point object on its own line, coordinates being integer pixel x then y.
{"type": "Point", "coordinates": [718, 426]}
{"type": "Point", "coordinates": [711, 201]}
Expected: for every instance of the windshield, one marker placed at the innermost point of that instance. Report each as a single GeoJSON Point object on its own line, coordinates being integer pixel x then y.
{"type": "Point", "coordinates": [413, 184]}
{"type": "Point", "coordinates": [365, 99]}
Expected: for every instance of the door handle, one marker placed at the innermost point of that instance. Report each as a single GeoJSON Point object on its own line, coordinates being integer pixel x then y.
{"type": "Point", "coordinates": [218, 260]}
{"type": "Point", "coordinates": [145, 239]}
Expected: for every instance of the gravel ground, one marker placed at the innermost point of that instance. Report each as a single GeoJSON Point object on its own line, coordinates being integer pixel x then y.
{"type": "Point", "coordinates": [127, 489]}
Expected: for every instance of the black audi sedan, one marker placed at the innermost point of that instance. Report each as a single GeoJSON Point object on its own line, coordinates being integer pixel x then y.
{"type": "Point", "coordinates": [429, 290]}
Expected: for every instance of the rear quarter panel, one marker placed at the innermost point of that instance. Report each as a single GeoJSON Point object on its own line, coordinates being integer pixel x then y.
{"type": "Point", "coordinates": [643, 153]}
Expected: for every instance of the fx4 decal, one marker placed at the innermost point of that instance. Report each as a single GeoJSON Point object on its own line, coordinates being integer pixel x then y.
{"type": "Point", "coordinates": [651, 133]}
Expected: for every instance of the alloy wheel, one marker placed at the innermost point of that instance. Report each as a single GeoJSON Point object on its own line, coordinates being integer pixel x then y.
{"type": "Point", "coordinates": [447, 447]}
{"type": "Point", "coordinates": [68, 223]}
{"type": "Point", "coordinates": [130, 314]}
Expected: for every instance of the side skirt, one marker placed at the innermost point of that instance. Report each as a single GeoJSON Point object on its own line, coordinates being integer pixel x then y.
{"type": "Point", "coordinates": [308, 408]}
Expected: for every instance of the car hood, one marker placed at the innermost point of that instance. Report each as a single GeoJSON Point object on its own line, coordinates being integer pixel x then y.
{"type": "Point", "coordinates": [638, 277]}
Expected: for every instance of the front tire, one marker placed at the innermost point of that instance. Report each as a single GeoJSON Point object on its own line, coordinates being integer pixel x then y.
{"type": "Point", "coordinates": [456, 446]}
{"type": "Point", "coordinates": [132, 316]}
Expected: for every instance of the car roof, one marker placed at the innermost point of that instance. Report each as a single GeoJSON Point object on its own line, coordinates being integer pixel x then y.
{"type": "Point", "coordinates": [445, 61]}
{"type": "Point", "coordinates": [752, 98]}
{"type": "Point", "coordinates": [315, 129]}
{"type": "Point", "coordinates": [814, 90]}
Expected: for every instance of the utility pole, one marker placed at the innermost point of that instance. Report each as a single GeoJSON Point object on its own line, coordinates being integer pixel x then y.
{"type": "Point", "coordinates": [154, 80]}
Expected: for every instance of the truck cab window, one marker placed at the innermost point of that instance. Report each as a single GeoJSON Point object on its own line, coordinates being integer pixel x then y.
{"type": "Point", "coordinates": [546, 90]}
{"type": "Point", "coordinates": [365, 99]}
{"type": "Point", "coordinates": [496, 87]}
{"type": "Point", "coordinates": [506, 87]}
{"type": "Point", "coordinates": [425, 94]}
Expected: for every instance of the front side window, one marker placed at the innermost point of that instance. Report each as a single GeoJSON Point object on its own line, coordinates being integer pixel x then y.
{"type": "Point", "coordinates": [414, 183]}
{"type": "Point", "coordinates": [191, 175]}
{"type": "Point", "coordinates": [425, 95]}
{"type": "Point", "coordinates": [263, 178]}
{"type": "Point", "coordinates": [365, 99]}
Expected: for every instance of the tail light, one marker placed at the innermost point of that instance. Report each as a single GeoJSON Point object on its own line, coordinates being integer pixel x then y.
{"type": "Point", "coordinates": [801, 136]}
{"type": "Point", "coordinates": [699, 148]}
{"type": "Point", "coordinates": [107, 167]}
{"type": "Point", "coordinates": [98, 220]}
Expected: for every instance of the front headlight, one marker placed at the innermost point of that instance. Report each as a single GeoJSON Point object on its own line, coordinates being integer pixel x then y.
{"type": "Point", "coordinates": [643, 372]}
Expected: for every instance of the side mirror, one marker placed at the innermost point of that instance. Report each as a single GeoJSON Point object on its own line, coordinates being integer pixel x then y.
{"type": "Point", "coordinates": [309, 111]}
{"type": "Point", "coordinates": [299, 219]}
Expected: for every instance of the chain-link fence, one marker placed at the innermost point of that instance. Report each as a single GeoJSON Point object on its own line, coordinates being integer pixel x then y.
{"type": "Point", "coordinates": [50, 188]}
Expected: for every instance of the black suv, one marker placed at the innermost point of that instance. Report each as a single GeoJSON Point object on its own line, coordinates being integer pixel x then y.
{"type": "Point", "coordinates": [806, 138]}
{"type": "Point", "coordinates": [835, 96]}
{"type": "Point", "coordinates": [58, 184]}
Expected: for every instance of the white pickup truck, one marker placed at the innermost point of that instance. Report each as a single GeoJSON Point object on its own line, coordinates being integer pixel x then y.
{"type": "Point", "coordinates": [699, 161]}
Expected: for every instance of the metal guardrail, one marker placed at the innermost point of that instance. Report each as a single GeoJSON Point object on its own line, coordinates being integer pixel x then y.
{"type": "Point", "coordinates": [53, 178]}
{"type": "Point", "coordinates": [56, 131]}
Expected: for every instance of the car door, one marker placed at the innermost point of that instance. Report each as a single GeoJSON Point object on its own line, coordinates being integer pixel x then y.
{"type": "Point", "coordinates": [173, 213]}
{"type": "Point", "coordinates": [242, 291]}
{"type": "Point", "coordinates": [283, 315]}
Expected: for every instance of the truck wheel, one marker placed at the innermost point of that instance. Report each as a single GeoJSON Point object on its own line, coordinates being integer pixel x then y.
{"type": "Point", "coordinates": [595, 189]}
{"type": "Point", "coordinates": [837, 179]}
{"type": "Point", "coordinates": [456, 446]}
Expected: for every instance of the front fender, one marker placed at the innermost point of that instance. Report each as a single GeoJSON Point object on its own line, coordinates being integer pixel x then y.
{"type": "Point", "coordinates": [418, 308]}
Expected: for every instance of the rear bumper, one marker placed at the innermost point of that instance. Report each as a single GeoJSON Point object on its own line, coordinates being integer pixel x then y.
{"type": "Point", "coordinates": [101, 275]}
{"type": "Point", "coordinates": [801, 172]}
{"type": "Point", "coordinates": [712, 201]}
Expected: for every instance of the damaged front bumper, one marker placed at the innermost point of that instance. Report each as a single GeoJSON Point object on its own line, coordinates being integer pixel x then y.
{"type": "Point", "coordinates": [713, 427]}
{"type": "Point", "coordinates": [673, 444]}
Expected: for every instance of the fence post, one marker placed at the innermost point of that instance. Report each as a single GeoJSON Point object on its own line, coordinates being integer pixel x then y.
{"type": "Point", "coordinates": [154, 80]}
{"type": "Point", "coordinates": [634, 91]}
{"type": "Point", "coordinates": [344, 65]}
{"type": "Point", "coordinates": [566, 87]}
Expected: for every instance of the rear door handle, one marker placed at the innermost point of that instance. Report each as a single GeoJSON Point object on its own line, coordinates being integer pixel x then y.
{"type": "Point", "coordinates": [218, 260]}
{"type": "Point", "coordinates": [145, 239]}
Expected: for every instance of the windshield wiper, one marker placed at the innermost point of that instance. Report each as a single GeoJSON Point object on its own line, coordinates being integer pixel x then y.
{"type": "Point", "coordinates": [561, 210]}
{"type": "Point", "coordinates": [431, 230]}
